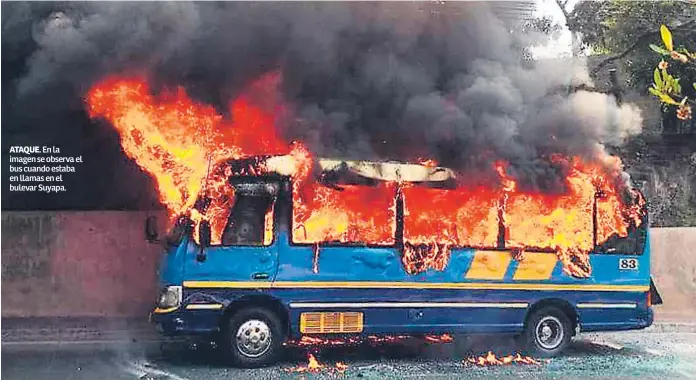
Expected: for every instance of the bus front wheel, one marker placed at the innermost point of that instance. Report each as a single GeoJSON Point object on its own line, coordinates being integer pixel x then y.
{"type": "Point", "coordinates": [547, 332]}
{"type": "Point", "coordinates": [254, 338]}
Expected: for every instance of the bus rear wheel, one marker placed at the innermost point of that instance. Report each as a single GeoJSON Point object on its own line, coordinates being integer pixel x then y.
{"type": "Point", "coordinates": [254, 338]}
{"type": "Point", "coordinates": [547, 332]}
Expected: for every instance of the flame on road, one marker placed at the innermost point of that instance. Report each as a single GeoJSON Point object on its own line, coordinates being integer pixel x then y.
{"type": "Point", "coordinates": [313, 366]}
{"type": "Point", "coordinates": [491, 359]}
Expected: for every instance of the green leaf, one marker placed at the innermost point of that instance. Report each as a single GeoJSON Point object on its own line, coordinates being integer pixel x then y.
{"type": "Point", "coordinates": [683, 101]}
{"type": "Point", "coordinates": [694, 86]}
{"type": "Point", "coordinates": [654, 91]}
{"type": "Point", "coordinates": [658, 79]}
{"type": "Point", "coordinates": [658, 49]}
{"type": "Point", "coordinates": [667, 99]}
{"type": "Point", "coordinates": [666, 37]}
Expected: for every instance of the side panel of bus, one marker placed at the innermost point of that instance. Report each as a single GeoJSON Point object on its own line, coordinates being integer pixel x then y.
{"type": "Point", "coordinates": [478, 291]}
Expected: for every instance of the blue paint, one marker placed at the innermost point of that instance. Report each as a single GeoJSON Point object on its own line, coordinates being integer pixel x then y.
{"type": "Point", "coordinates": [509, 275]}
{"type": "Point", "coordinates": [285, 262]}
{"type": "Point", "coordinates": [171, 269]}
{"type": "Point", "coordinates": [361, 264]}
{"type": "Point", "coordinates": [238, 263]}
{"type": "Point", "coordinates": [188, 322]}
{"type": "Point", "coordinates": [434, 320]}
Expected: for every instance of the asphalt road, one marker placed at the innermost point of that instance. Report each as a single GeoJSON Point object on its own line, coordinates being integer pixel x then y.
{"type": "Point", "coordinates": [631, 355]}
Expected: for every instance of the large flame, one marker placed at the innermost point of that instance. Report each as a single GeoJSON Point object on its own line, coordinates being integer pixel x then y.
{"type": "Point", "coordinates": [186, 146]}
{"type": "Point", "coordinates": [436, 219]}
{"type": "Point", "coordinates": [345, 214]}
{"type": "Point", "coordinates": [177, 140]}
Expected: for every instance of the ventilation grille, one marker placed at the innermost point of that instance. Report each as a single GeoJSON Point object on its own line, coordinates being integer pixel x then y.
{"type": "Point", "coordinates": [331, 323]}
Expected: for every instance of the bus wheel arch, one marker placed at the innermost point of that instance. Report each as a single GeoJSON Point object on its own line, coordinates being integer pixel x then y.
{"type": "Point", "coordinates": [253, 330]}
{"type": "Point", "coordinates": [561, 304]}
{"type": "Point", "coordinates": [548, 327]}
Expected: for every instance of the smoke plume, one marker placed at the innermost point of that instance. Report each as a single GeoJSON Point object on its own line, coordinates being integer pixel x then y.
{"type": "Point", "coordinates": [388, 80]}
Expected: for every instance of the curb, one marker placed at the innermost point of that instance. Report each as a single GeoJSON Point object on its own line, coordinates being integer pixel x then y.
{"type": "Point", "coordinates": [28, 335]}
{"type": "Point", "coordinates": [672, 326]}
{"type": "Point", "coordinates": [86, 346]}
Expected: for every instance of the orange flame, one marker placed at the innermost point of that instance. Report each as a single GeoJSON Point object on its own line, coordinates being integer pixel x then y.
{"type": "Point", "coordinates": [428, 162]}
{"type": "Point", "coordinates": [380, 339]}
{"type": "Point", "coordinates": [313, 366]}
{"type": "Point", "coordinates": [312, 341]}
{"type": "Point", "coordinates": [438, 219]}
{"type": "Point", "coordinates": [492, 360]}
{"type": "Point", "coordinates": [345, 214]}
{"type": "Point", "coordinates": [444, 338]}
{"type": "Point", "coordinates": [184, 145]}
{"type": "Point", "coordinates": [176, 139]}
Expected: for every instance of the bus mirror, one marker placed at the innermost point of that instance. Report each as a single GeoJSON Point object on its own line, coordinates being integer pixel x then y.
{"type": "Point", "coordinates": [204, 234]}
{"type": "Point", "coordinates": [151, 233]}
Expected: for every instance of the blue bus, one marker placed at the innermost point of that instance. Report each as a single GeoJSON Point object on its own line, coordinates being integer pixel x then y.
{"type": "Point", "coordinates": [253, 287]}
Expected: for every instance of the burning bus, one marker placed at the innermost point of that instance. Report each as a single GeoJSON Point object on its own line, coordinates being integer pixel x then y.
{"type": "Point", "coordinates": [278, 247]}
{"type": "Point", "coordinates": [270, 242]}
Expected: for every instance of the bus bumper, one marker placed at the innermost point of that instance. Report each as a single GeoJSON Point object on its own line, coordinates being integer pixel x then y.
{"type": "Point", "coordinates": [183, 323]}
{"type": "Point", "coordinates": [649, 318]}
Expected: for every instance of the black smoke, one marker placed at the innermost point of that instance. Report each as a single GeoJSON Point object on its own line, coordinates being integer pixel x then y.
{"type": "Point", "coordinates": [396, 81]}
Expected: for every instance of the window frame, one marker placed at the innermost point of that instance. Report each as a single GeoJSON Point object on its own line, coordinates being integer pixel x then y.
{"type": "Point", "coordinates": [272, 205]}
{"type": "Point", "coordinates": [337, 244]}
{"type": "Point", "coordinates": [398, 241]}
{"type": "Point", "coordinates": [274, 195]}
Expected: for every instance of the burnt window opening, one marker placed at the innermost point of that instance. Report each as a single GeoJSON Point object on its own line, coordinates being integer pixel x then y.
{"type": "Point", "coordinates": [635, 241]}
{"type": "Point", "coordinates": [335, 213]}
{"type": "Point", "coordinates": [632, 244]}
{"type": "Point", "coordinates": [248, 221]}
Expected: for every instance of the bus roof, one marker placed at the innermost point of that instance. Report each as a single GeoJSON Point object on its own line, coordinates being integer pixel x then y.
{"type": "Point", "coordinates": [385, 171]}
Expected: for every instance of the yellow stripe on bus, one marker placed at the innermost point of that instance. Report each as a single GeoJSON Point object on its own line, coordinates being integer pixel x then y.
{"type": "Point", "coordinates": [410, 285]}
{"type": "Point", "coordinates": [489, 265]}
{"type": "Point", "coordinates": [535, 266]}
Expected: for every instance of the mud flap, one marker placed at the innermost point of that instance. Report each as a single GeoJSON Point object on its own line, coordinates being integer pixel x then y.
{"type": "Point", "coordinates": [655, 297]}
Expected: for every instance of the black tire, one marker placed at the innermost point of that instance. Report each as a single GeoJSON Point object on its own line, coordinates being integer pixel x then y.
{"type": "Point", "coordinates": [547, 332]}
{"type": "Point", "coordinates": [262, 332]}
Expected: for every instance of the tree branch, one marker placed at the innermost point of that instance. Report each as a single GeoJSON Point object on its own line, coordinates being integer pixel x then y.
{"type": "Point", "coordinates": [686, 27]}
{"type": "Point", "coordinates": [575, 43]}
{"type": "Point", "coordinates": [562, 4]}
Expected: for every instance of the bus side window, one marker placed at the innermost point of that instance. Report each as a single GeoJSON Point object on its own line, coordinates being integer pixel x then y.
{"type": "Point", "coordinates": [632, 244]}
{"type": "Point", "coordinates": [247, 221]}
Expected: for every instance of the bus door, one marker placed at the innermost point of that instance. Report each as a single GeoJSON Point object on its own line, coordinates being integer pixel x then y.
{"type": "Point", "coordinates": [243, 244]}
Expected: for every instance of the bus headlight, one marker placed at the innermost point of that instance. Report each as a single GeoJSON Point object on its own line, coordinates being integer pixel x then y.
{"type": "Point", "coordinates": [170, 297]}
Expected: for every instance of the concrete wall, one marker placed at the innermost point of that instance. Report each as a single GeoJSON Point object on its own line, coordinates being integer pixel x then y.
{"type": "Point", "coordinates": [77, 264]}
{"type": "Point", "coordinates": [674, 271]}
{"type": "Point", "coordinates": [99, 264]}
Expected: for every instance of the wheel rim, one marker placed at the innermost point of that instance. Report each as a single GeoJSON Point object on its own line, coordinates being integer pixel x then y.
{"type": "Point", "coordinates": [253, 338]}
{"type": "Point", "coordinates": [549, 332]}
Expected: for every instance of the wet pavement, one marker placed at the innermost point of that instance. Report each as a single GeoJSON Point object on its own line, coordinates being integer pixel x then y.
{"type": "Point", "coordinates": [669, 353]}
